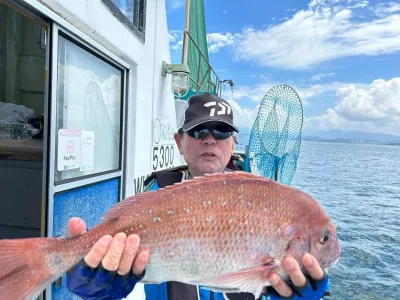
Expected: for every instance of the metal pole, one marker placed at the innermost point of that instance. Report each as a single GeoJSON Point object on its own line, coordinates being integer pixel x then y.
{"type": "Point", "coordinates": [185, 39]}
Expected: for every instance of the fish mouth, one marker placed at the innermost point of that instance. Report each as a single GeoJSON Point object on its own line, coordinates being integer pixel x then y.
{"type": "Point", "coordinates": [330, 263]}
{"type": "Point", "coordinates": [336, 261]}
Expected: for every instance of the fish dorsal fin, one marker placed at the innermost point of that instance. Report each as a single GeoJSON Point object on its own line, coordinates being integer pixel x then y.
{"type": "Point", "coordinates": [122, 207]}
{"type": "Point", "coordinates": [236, 174]}
{"type": "Point", "coordinates": [217, 177]}
{"type": "Point", "coordinates": [251, 280]}
{"type": "Point", "coordinates": [117, 210]}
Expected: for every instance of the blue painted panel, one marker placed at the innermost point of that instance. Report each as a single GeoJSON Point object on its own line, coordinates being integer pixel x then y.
{"type": "Point", "coordinates": [88, 203]}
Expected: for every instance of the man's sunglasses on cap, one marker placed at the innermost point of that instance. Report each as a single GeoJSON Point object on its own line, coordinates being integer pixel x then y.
{"type": "Point", "coordinates": [200, 132]}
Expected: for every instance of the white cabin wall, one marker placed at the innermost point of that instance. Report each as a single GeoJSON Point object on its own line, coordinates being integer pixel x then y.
{"type": "Point", "coordinates": [164, 103]}
{"type": "Point", "coordinates": [149, 93]}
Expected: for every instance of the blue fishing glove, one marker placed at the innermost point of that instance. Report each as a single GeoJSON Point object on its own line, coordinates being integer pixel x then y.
{"type": "Point", "coordinates": [98, 283]}
{"type": "Point", "coordinates": [313, 290]}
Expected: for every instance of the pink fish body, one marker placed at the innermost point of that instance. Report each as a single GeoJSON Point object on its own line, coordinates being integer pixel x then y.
{"type": "Point", "coordinates": [221, 231]}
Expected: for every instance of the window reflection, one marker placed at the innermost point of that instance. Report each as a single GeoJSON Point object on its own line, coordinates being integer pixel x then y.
{"type": "Point", "coordinates": [126, 7]}
{"type": "Point", "coordinates": [132, 13]}
{"type": "Point", "coordinates": [88, 113]}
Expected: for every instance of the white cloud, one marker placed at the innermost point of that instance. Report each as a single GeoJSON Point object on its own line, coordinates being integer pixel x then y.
{"type": "Point", "coordinates": [325, 31]}
{"type": "Point", "coordinates": [219, 40]}
{"type": "Point", "coordinates": [177, 46]}
{"type": "Point", "coordinates": [361, 4]}
{"type": "Point", "coordinates": [215, 41]}
{"type": "Point", "coordinates": [174, 4]}
{"type": "Point", "coordinates": [318, 77]}
{"type": "Point", "coordinates": [244, 117]}
{"type": "Point", "coordinates": [311, 38]}
{"type": "Point", "coordinates": [387, 8]}
{"type": "Point", "coordinates": [172, 36]}
{"type": "Point", "coordinates": [253, 93]}
{"type": "Point", "coordinates": [308, 92]}
{"type": "Point", "coordinates": [257, 92]}
{"type": "Point", "coordinates": [373, 108]}
{"type": "Point", "coordinates": [175, 40]}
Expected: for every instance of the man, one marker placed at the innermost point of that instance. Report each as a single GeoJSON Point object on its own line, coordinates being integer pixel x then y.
{"type": "Point", "coordinates": [112, 267]}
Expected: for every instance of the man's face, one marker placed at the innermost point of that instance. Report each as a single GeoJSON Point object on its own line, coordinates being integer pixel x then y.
{"type": "Point", "coordinates": [205, 156]}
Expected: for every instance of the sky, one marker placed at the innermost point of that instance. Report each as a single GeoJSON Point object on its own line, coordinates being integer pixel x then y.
{"type": "Point", "coordinates": [342, 57]}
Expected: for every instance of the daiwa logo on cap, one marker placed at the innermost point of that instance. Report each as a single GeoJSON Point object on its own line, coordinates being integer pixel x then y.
{"type": "Point", "coordinates": [207, 108]}
{"type": "Point", "coordinates": [225, 108]}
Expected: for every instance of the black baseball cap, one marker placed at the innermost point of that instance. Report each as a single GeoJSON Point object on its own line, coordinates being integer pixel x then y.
{"type": "Point", "coordinates": [205, 108]}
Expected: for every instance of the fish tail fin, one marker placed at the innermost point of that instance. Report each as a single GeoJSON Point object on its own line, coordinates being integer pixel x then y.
{"type": "Point", "coordinates": [25, 267]}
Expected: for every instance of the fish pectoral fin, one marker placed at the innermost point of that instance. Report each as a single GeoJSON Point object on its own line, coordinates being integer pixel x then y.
{"type": "Point", "coordinates": [220, 290]}
{"type": "Point", "coordinates": [251, 280]}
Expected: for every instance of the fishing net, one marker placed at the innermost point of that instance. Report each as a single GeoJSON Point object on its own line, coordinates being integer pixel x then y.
{"type": "Point", "coordinates": [275, 138]}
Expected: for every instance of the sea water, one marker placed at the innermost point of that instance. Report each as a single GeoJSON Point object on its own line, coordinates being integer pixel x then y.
{"type": "Point", "coordinates": [359, 186]}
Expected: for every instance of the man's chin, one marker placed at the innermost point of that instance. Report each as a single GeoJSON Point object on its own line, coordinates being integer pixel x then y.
{"type": "Point", "coordinates": [211, 169]}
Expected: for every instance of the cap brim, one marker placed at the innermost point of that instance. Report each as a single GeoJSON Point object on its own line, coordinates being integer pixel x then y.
{"type": "Point", "coordinates": [191, 124]}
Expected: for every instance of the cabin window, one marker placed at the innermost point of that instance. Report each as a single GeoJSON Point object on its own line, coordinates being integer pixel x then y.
{"type": "Point", "coordinates": [131, 13]}
{"type": "Point", "coordinates": [89, 118]}
{"type": "Point", "coordinates": [22, 114]}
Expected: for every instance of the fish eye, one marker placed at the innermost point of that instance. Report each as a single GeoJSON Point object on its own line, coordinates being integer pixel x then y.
{"type": "Point", "coordinates": [325, 237]}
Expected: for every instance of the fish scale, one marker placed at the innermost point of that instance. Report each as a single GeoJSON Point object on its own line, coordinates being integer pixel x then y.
{"type": "Point", "coordinates": [222, 231]}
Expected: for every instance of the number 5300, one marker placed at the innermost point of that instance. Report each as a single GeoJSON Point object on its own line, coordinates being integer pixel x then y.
{"type": "Point", "coordinates": [163, 156]}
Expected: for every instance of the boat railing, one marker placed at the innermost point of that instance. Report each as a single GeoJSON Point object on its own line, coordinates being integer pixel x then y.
{"type": "Point", "coordinates": [204, 78]}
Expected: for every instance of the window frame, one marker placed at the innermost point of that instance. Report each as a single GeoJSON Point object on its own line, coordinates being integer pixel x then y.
{"type": "Point", "coordinates": [96, 49]}
{"type": "Point", "coordinates": [92, 50]}
{"type": "Point", "coordinates": [139, 27]}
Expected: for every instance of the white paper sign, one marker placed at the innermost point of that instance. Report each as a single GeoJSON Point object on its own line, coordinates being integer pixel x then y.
{"type": "Point", "coordinates": [69, 149]}
{"type": "Point", "coordinates": [87, 150]}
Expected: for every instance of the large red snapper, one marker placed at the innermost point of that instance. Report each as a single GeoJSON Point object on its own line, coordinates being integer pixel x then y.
{"type": "Point", "coordinates": [221, 231]}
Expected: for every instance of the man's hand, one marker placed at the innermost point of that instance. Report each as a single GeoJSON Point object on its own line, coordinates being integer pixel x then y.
{"type": "Point", "coordinates": [304, 288]}
{"type": "Point", "coordinates": [115, 254]}
{"type": "Point", "coordinates": [111, 267]}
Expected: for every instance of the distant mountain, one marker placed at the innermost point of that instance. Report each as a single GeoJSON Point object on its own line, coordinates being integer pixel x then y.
{"type": "Point", "coordinates": [334, 136]}
{"type": "Point", "coordinates": [351, 136]}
